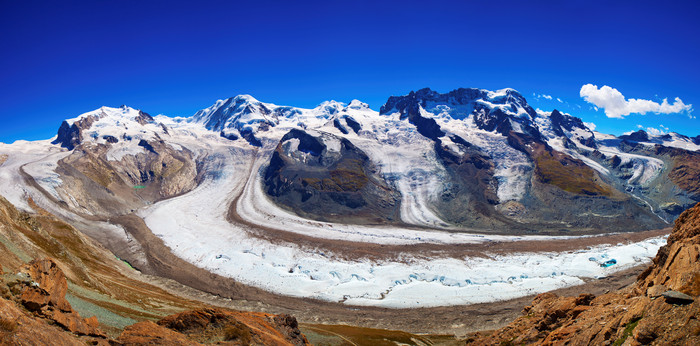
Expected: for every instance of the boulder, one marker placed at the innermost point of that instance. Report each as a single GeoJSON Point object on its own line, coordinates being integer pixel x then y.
{"type": "Point", "coordinates": [656, 291]}
{"type": "Point", "coordinates": [49, 286]}
{"type": "Point", "coordinates": [44, 292]}
{"type": "Point", "coordinates": [149, 333]}
{"type": "Point", "coordinates": [675, 297]}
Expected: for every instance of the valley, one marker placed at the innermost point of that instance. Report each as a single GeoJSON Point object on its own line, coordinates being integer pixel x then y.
{"type": "Point", "coordinates": [441, 213]}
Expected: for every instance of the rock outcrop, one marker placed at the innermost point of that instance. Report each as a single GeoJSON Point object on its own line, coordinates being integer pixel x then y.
{"type": "Point", "coordinates": [40, 287]}
{"type": "Point", "coordinates": [217, 325]}
{"type": "Point", "coordinates": [43, 288]}
{"type": "Point", "coordinates": [328, 178]}
{"type": "Point", "coordinates": [661, 308]}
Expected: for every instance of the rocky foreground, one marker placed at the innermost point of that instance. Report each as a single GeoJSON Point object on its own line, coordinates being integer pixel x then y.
{"type": "Point", "coordinates": [34, 311]}
{"type": "Point", "coordinates": [661, 308]}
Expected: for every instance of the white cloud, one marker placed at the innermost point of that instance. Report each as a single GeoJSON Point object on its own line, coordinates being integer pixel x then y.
{"type": "Point", "coordinates": [560, 101]}
{"type": "Point", "coordinates": [615, 105]}
{"type": "Point", "coordinates": [640, 126]}
{"type": "Point", "coordinates": [591, 126]}
{"type": "Point", "coordinates": [542, 96]}
{"type": "Point", "coordinates": [655, 132]}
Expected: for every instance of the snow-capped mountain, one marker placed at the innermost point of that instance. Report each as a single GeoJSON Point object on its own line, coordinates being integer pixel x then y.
{"type": "Point", "coordinates": [271, 186]}
{"type": "Point", "coordinates": [469, 158]}
{"type": "Point", "coordinates": [243, 116]}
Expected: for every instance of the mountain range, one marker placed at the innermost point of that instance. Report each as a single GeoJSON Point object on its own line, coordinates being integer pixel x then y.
{"type": "Point", "coordinates": [470, 159]}
{"type": "Point", "coordinates": [437, 201]}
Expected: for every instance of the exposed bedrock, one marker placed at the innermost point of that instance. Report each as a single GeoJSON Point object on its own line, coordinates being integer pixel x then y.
{"type": "Point", "coordinates": [97, 182]}
{"type": "Point", "coordinates": [566, 193]}
{"type": "Point", "coordinates": [328, 178]}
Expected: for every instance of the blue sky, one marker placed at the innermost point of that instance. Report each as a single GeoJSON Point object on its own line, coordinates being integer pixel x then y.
{"type": "Point", "coordinates": [64, 58]}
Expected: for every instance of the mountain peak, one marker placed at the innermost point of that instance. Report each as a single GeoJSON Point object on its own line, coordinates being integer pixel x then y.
{"type": "Point", "coordinates": [489, 109]}
{"type": "Point", "coordinates": [330, 107]}
{"type": "Point", "coordinates": [357, 104]}
{"type": "Point", "coordinates": [244, 98]}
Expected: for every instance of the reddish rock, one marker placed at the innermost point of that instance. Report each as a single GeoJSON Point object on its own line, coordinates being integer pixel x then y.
{"type": "Point", "coordinates": [45, 294]}
{"type": "Point", "coordinates": [92, 322]}
{"type": "Point", "coordinates": [21, 328]}
{"type": "Point", "coordinates": [50, 285]}
{"type": "Point", "coordinates": [73, 323]}
{"type": "Point", "coordinates": [204, 325]}
{"type": "Point", "coordinates": [656, 291]}
{"type": "Point", "coordinates": [149, 333]}
{"type": "Point", "coordinates": [35, 298]}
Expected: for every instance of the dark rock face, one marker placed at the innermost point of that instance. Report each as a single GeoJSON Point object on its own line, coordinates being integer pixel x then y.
{"type": "Point", "coordinates": [229, 136]}
{"type": "Point", "coordinates": [562, 122]}
{"type": "Point", "coordinates": [355, 126]}
{"type": "Point", "coordinates": [69, 135]}
{"type": "Point", "coordinates": [144, 118]}
{"type": "Point", "coordinates": [249, 136]}
{"type": "Point", "coordinates": [110, 139]}
{"type": "Point", "coordinates": [639, 136]}
{"type": "Point", "coordinates": [409, 105]}
{"type": "Point", "coordinates": [304, 175]}
{"type": "Point", "coordinates": [486, 117]}
{"type": "Point", "coordinates": [339, 126]}
{"type": "Point", "coordinates": [470, 197]}
{"type": "Point", "coordinates": [144, 143]}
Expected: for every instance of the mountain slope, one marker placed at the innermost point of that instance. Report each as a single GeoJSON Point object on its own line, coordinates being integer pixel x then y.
{"type": "Point", "coordinates": [48, 301]}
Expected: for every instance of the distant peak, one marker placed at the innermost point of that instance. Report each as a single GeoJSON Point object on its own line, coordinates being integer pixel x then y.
{"type": "Point", "coordinates": [331, 103]}
{"type": "Point", "coordinates": [244, 98]}
{"type": "Point", "coordinates": [357, 104]}
{"type": "Point", "coordinates": [330, 107]}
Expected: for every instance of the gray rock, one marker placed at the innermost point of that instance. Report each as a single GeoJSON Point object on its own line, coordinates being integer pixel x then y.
{"type": "Point", "coordinates": [676, 297]}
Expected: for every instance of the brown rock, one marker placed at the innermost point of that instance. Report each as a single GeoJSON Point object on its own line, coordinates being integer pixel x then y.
{"type": "Point", "coordinates": [73, 323]}
{"type": "Point", "coordinates": [656, 291]}
{"type": "Point", "coordinates": [645, 334]}
{"type": "Point", "coordinates": [149, 333]}
{"type": "Point", "coordinates": [92, 322]}
{"type": "Point", "coordinates": [207, 324]}
{"type": "Point", "coordinates": [45, 294]}
{"type": "Point", "coordinates": [50, 284]}
{"type": "Point", "coordinates": [20, 328]}
{"type": "Point", "coordinates": [35, 298]}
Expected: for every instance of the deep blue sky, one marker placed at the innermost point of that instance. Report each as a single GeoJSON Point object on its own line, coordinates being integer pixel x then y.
{"type": "Point", "coordinates": [63, 58]}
